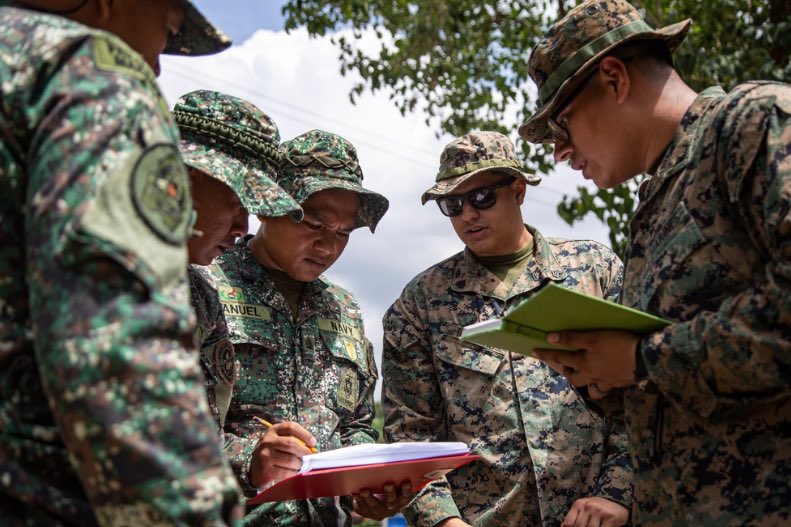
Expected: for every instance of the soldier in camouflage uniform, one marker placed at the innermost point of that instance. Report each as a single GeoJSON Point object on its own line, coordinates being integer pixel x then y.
{"type": "Point", "coordinates": [546, 457]}
{"type": "Point", "coordinates": [103, 417]}
{"type": "Point", "coordinates": [306, 364]}
{"type": "Point", "coordinates": [708, 403]}
{"type": "Point", "coordinates": [231, 151]}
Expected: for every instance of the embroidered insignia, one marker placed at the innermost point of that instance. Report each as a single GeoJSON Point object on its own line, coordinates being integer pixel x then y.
{"type": "Point", "coordinates": [348, 389]}
{"type": "Point", "coordinates": [224, 358]}
{"type": "Point", "coordinates": [350, 349]}
{"type": "Point", "coordinates": [161, 192]}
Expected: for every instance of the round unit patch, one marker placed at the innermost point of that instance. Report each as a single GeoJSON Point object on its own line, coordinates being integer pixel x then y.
{"type": "Point", "coordinates": [161, 192]}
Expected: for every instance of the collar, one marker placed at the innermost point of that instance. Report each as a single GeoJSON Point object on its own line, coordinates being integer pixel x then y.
{"type": "Point", "coordinates": [680, 152]}
{"type": "Point", "coordinates": [314, 301]}
{"type": "Point", "coordinates": [472, 277]}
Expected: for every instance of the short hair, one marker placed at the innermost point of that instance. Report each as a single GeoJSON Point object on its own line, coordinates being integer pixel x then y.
{"type": "Point", "coordinates": [654, 52]}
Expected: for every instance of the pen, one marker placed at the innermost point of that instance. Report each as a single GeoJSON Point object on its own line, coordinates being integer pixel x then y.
{"type": "Point", "coordinates": [267, 424]}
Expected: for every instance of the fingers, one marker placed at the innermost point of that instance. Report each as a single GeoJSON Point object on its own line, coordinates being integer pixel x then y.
{"type": "Point", "coordinates": [379, 507]}
{"type": "Point", "coordinates": [293, 430]}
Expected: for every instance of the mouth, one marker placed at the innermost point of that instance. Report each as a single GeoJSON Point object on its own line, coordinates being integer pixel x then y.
{"type": "Point", "coordinates": [476, 231]}
{"type": "Point", "coordinates": [319, 263]}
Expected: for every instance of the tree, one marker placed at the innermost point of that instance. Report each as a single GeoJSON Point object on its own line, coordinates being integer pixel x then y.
{"type": "Point", "coordinates": [464, 62]}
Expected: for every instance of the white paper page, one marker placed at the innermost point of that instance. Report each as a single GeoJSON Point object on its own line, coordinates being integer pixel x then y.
{"type": "Point", "coordinates": [352, 456]}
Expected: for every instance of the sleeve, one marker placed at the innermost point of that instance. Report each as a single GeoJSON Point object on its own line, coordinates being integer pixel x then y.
{"type": "Point", "coordinates": [412, 402]}
{"type": "Point", "coordinates": [615, 480]}
{"type": "Point", "coordinates": [108, 210]}
{"type": "Point", "coordinates": [740, 354]}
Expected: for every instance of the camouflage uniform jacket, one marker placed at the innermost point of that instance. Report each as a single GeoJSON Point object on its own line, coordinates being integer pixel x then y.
{"type": "Point", "coordinates": [710, 434]}
{"type": "Point", "coordinates": [217, 356]}
{"type": "Point", "coordinates": [318, 371]}
{"type": "Point", "coordinates": [542, 448]}
{"type": "Point", "coordinates": [103, 417]}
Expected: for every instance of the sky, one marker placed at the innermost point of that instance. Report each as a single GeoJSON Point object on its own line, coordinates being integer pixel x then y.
{"type": "Point", "coordinates": [296, 80]}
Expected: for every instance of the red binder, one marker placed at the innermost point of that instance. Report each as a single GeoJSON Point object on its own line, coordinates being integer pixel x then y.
{"type": "Point", "coordinates": [351, 480]}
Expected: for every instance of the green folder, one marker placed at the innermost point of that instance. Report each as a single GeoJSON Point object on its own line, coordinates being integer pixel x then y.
{"type": "Point", "coordinates": [555, 308]}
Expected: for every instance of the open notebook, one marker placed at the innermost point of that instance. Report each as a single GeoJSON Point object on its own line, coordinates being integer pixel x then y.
{"type": "Point", "coordinates": [349, 470]}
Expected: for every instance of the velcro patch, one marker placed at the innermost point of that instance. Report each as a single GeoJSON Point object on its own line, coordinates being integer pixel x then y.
{"type": "Point", "coordinates": [336, 326]}
{"type": "Point", "coordinates": [112, 55]}
{"type": "Point", "coordinates": [238, 309]}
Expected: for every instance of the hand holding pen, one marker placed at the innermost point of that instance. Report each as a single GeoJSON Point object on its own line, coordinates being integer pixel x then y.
{"type": "Point", "coordinates": [278, 453]}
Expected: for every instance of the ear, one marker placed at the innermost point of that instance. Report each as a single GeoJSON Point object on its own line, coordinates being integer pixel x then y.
{"type": "Point", "coordinates": [616, 77]}
{"type": "Point", "coordinates": [520, 188]}
{"type": "Point", "coordinates": [105, 9]}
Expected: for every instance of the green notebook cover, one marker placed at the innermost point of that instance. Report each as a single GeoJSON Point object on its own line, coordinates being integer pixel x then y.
{"type": "Point", "coordinates": [555, 308]}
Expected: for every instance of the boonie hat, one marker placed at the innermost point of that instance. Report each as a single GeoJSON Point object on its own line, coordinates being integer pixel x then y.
{"type": "Point", "coordinates": [472, 154]}
{"type": "Point", "coordinates": [197, 35]}
{"type": "Point", "coordinates": [319, 160]}
{"type": "Point", "coordinates": [235, 142]}
{"type": "Point", "coordinates": [574, 44]}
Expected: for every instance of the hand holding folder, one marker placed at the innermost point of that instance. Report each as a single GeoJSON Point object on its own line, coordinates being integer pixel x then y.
{"type": "Point", "coordinates": [349, 470]}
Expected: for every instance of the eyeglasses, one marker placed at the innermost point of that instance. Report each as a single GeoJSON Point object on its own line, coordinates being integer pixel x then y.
{"type": "Point", "coordinates": [559, 129]}
{"type": "Point", "coordinates": [480, 198]}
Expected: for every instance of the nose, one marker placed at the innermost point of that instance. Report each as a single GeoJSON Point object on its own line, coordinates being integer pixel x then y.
{"type": "Point", "coordinates": [468, 212]}
{"type": "Point", "coordinates": [563, 151]}
{"type": "Point", "coordinates": [240, 224]}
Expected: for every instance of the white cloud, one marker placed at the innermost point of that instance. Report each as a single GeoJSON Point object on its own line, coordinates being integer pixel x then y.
{"type": "Point", "coordinates": [295, 79]}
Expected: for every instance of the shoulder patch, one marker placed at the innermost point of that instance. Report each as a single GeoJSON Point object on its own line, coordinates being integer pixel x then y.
{"type": "Point", "coordinates": [161, 192]}
{"type": "Point", "coordinates": [111, 55]}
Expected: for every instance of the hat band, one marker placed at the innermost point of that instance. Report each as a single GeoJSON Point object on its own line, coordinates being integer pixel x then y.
{"type": "Point", "coordinates": [476, 165]}
{"type": "Point", "coordinates": [585, 53]}
{"type": "Point", "coordinates": [229, 135]}
{"type": "Point", "coordinates": [305, 160]}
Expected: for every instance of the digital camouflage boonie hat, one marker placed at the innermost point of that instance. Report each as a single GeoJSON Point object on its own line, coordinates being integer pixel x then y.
{"type": "Point", "coordinates": [572, 48]}
{"type": "Point", "coordinates": [233, 141]}
{"type": "Point", "coordinates": [472, 154]}
{"type": "Point", "coordinates": [197, 35]}
{"type": "Point", "coordinates": [319, 160]}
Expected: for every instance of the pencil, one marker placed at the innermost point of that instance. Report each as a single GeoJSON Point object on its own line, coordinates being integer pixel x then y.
{"type": "Point", "coordinates": [267, 424]}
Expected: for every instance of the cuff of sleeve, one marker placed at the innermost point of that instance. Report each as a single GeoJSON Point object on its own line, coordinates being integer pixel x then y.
{"type": "Point", "coordinates": [673, 361]}
{"type": "Point", "coordinates": [431, 506]}
{"type": "Point", "coordinates": [244, 474]}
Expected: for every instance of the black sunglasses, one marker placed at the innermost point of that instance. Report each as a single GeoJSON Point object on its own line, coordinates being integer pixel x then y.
{"type": "Point", "coordinates": [480, 198]}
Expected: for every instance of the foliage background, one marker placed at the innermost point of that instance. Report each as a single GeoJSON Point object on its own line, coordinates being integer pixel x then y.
{"type": "Point", "coordinates": [465, 63]}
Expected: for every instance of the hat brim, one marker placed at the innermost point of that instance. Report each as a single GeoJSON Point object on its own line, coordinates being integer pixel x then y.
{"type": "Point", "coordinates": [266, 199]}
{"type": "Point", "coordinates": [372, 204]}
{"type": "Point", "coordinates": [535, 129]}
{"type": "Point", "coordinates": [446, 186]}
{"type": "Point", "coordinates": [197, 36]}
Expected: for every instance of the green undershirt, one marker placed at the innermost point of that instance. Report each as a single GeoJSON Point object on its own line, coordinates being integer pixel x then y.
{"type": "Point", "coordinates": [288, 287]}
{"type": "Point", "coordinates": [508, 267]}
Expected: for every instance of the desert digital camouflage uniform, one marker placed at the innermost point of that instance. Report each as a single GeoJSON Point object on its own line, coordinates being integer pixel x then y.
{"type": "Point", "coordinates": [711, 250]}
{"type": "Point", "coordinates": [710, 423]}
{"type": "Point", "coordinates": [541, 448]}
{"type": "Point", "coordinates": [233, 141]}
{"type": "Point", "coordinates": [317, 370]}
{"type": "Point", "coordinates": [103, 416]}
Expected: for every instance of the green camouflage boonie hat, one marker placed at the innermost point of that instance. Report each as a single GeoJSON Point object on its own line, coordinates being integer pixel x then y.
{"type": "Point", "coordinates": [472, 154]}
{"type": "Point", "coordinates": [572, 48]}
{"type": "Point", "coordinates": [233, 141]}
{"type": "Point", "coordinates": [319, 160]}
{"type": "Point", "coordinates": [197, 35]}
